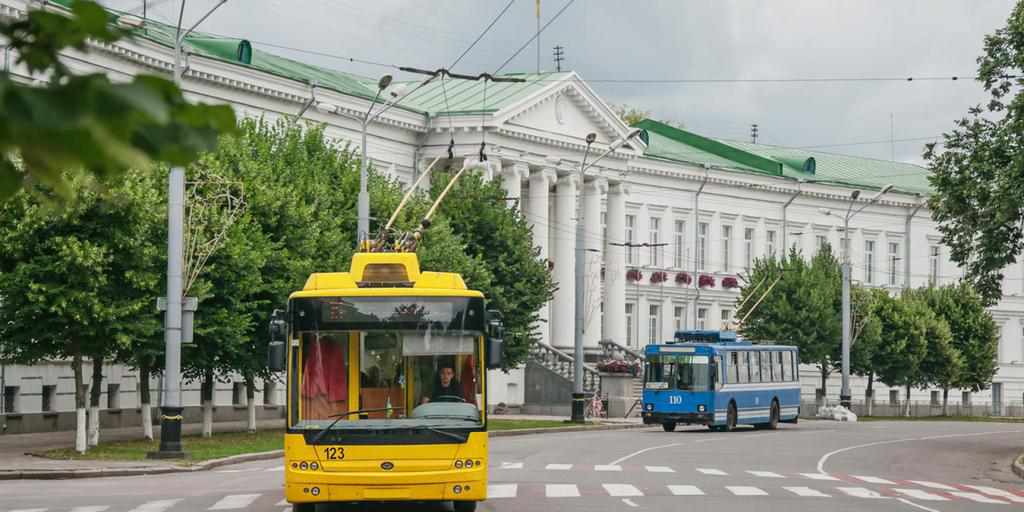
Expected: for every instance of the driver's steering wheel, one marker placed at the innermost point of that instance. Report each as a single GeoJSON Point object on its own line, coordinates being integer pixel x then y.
{"type": "Point", "coordinates": [449, 398]}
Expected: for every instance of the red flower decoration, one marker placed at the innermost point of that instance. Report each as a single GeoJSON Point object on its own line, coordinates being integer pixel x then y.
{"type": "Point", "coordinates": [730, 283]}
{"type": "Point", "coordinates": [634, 275]}
{"type": "Point", "coordinates": [706, 281]}
{"type": "Point", "coordinates": [659, 277]}
{"type": "Point", "coordinates": [683, 278]}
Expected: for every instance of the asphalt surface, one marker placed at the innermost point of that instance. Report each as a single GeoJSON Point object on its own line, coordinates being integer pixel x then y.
{"type": "Point", "coordinates": [816, 465]}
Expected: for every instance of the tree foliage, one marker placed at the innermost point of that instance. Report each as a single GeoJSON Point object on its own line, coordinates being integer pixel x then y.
{"type": "Point", "coordinates": [979, 186]}
{"type": "Point", "coordinates": [973, 333]}
{"type": "Point", "coordinates": [76, 124]}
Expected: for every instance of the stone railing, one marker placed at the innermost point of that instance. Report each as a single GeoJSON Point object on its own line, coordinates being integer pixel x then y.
{"type": "Point", "coordinates": [562, 364]}
{"type": "Point", "coordinates": [614, 351]}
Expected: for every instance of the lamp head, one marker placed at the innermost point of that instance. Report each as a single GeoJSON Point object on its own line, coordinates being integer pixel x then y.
{"type": "Point", "coordinates": [855, 194]}
{"type": "Point", "coordinates": [885, 189]}
{"type": "Point", "coordinates": [591, 137]}
{"type": "Point", "coordinates": [384, 82]}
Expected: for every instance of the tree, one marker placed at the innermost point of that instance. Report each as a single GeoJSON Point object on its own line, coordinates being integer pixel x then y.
{"type": "Point", "coordinates": [802, 309]}
{"type": "Point", "coordinates": [978, 200]}
{"type": "Point", "coordinates": [906, 324]}
{"type": "Point", "coordinates": [78, 124]}
{"type": "Point", "coordinates": [973, 335]}
{"type": "Point", "coordinates": [632, 115]}
{"type": "Point", "coordinates": [75, 280]}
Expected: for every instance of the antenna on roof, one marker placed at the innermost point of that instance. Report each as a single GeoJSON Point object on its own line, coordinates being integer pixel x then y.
{"type": "Point", "coordinates": [559, 57]}
{"type": "Point", "coordinates": [753, 133]}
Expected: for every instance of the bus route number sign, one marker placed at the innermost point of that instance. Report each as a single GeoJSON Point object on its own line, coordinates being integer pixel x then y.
{"type": "Point", "coordinates": [334, 453]}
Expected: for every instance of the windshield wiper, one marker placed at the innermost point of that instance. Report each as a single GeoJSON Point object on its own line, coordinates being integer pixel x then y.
{"type": "Point", "coordinates": [446, 433]}
{"type": "Point", "coordinates": [449, 417]}
{"type": "Point", "coordinates": [341, 416]}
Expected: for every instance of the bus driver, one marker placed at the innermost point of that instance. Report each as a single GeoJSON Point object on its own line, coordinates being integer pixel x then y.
{"type": "Point", "coordinates": [446, 385]}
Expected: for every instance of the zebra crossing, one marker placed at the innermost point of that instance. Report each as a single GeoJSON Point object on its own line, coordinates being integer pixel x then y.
{"type": "Point", "coordinates": [228, 502]}
{"type": "Point", "coordinates": [499, 491]}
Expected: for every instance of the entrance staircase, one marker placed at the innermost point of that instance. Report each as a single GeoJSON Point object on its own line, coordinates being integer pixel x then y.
{"type": "Point", "coordinates": [562, 364]}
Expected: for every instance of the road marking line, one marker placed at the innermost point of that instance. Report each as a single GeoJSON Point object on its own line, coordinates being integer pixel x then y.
{"type": "Point", "coordinates": [502, 491]}
{"type": "Point", "coordinates": [31, 510]}
{"type": "Point", "coordinates": [765, 474]}
{"type": "Point", "coordinates": [156, 506]}
{"type": "Point", "coordinates": [807, 492]}
{"type": "Point", "coordinates": [860, 492]}
{"type": "Point", "coordinates": [1006, 495]}
{"type": "Point", "coordinates": [607, 467]}
{"type": "Point", "coordinates": [933, 485]}
{"type": "Point", "coordinates": [278, 468]}
{"type": "Point", "coordinates": [916, 505]}
{"type": "Point", "coordinates": [558, 467]}
{"type": "Point", "coordinates": [282, 503]}
{"type": "Point", "coordinates": [824, 458]}
{"type": "Point", "coordinates": [629, 502]}
{"type": "Point", "coordinates": [561, 491]}
{"type": "Point", "coordinates": [740, 490]}
{"type": "Point", "coordinates": [620, 490]}
{"type": "Point", "coordinates": [980, 498]}
{"type": "Point", "coordinates": [716, 472]}
{"type": "Point", "coordinates": [874, 480]}
{"type": "Point", "coordinates": [638, 452]}
{"type": "Point", "coordinates": [819, 476]}
{"type": "Point", "coordinates": [659, 469]}
{"type": "Point", "coordinates": [511, 465]}
{"type": "Point", "coordinates": [918, 494]}
{"type": "Point", "coordinates": [685, 490]}
{"type": "Point", "coordinates": [233, 501]}
{"type": "Point", "coordinates": [99, 508]}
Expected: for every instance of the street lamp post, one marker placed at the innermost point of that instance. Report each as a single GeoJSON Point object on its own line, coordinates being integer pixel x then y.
{"type": "Point", "coordinates": [844, 391]}
{"type": "Point", "coordinates": [363, 206]}
{"type": "Point", "coordinates": [170, 408]}
{"type": "Point", "coordinates": [579, 270]}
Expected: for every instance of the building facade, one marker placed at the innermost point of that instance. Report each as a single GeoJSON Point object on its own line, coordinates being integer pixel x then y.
{"type": "Point", "coordinates": [665, 212]}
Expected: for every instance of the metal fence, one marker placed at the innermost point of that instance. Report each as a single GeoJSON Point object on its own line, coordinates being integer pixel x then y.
{"type": "Point", "coordinates": [922, 408]}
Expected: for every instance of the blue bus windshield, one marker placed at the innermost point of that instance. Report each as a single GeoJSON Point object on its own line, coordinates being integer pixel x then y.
{"type": "Point", "coordinates": [685, 372]}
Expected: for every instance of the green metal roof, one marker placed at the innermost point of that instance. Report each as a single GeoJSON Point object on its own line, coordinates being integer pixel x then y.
{"type": "Point", "coordinates": [672, 143]}
{"type": "Point", "coordinates": [466, 97]}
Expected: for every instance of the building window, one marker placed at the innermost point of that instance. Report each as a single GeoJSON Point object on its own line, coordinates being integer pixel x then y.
{"type": "Point", "coordinates": [654, 324]}
{"type": "Point", "coordinates": [769, 243]}
{"type": "Point", "coordinates": [819, 242]}
{"type": "Point", "coordinates": [113, 396]}
{"type": "Point", "coordinates": [748, 249]}
{"type": "Point", "coordinates": [894, 249]}
{"type": "Point", "coordinates": [269, 393]}
{"type": "Point", "coordinates": [702, 318]}
{"type": "Point", "coordinates": [678, 261]}
{"type": "Point", "coordinates": [869, 261]}
{"type": "Point", "coordinates": [238, 394]}
{"type": "Point", "coordinates": [654, 232]}
{"type": "Point", "coordinates": [679, 318]}
{"type": "Point", "coordinates": [702, 245]}
{"type": "Point", "coordinates": [11, 399]}
{"type": "Point", "coordinates": [630, 250]}
{"type": "Point", "coordinates": [933, 264]}
{"type": "Point", "coordinates": [629, 324]}
{"type": "Point", "coordinates": [49, 398]}
{"type": "Point", "coordinates": [726, 245]}
{"type": "Point", "coordinates": [726, 319]}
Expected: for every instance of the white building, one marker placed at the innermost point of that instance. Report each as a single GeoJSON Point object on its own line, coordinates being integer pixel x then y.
{"type": "Point", "coordinates": [715, 205]}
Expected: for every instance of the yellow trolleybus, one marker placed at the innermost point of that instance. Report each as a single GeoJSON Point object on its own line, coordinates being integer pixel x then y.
{"type": "Point", "coordinates": [387, 389]}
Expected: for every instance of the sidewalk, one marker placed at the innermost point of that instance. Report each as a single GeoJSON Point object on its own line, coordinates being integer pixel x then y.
{"type": "Point", "coordinates": [16, 463]}
{"type": "Point", "coordinates": [15, 447]}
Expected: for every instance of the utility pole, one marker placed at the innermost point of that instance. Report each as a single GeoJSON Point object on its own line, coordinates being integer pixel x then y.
{"type": "Point", "coordinates": [753, 133]}
{"type": "Point", "coordinates": [559, 57]}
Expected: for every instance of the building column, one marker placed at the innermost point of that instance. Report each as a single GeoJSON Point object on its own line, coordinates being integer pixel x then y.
{"type": "Point", "coordinates": [593, 191]}
{"type": "Point", "coordinates": [537, 215]}
{"type": "Point", "coordinates": [512, 181]}
{"type": "Point", "coordinates": [614, 319]}
{"type": "Point", "coordinates": [563, 308]}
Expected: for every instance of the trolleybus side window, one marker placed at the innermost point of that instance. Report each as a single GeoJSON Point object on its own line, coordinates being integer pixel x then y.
{"type": "Point", "coordinates": [777, 367]}
{"type": "Point", "coordinates": [755, 366]}
{"type": "Point", "coordinates": [734, 367]}
{"type": "Point", "coordinates": [766, 366]}
{"type": "Point", "coordinates": [788, 362]}
{"type": "Point", "coordinates": [744, 367]}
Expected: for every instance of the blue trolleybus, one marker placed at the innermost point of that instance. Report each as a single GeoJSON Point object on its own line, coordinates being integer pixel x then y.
{"type": "Point", "coordinates": [713, 378]}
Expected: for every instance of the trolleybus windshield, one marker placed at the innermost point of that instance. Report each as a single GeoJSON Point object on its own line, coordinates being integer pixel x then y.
{"type": "Point", "coordinates": [686, 372]}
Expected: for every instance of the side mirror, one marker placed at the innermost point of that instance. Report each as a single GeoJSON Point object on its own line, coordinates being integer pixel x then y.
{"type": "Point", "coordinates": [495, 340]}
{"type": "Point", "coordinates": [277, 349]}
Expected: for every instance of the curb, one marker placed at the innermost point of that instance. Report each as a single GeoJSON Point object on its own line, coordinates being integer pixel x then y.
{"type": "Point", "coordinates": [1018, 466]}
{"type": "Point", "coordinates": [64, 474]}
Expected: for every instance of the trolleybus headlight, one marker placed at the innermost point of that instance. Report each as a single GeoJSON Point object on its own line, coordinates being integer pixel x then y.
{"type": "Point", "coordinates": [314, 466]}
{"type": "Point", "coordinates": [700, 408]}
{"type": "Point", "coordinates": [469, 463]}
{"type": "Point", "coordinates": [315, 491]}
{"type": "Point", "coordinates": [304, 465]}
{"type": "Point", "coordinates": [649, 407]}
{"type": "Point", "coordinates": [457, 489]}
{"type": "Point", "coordinates": [458, 464]}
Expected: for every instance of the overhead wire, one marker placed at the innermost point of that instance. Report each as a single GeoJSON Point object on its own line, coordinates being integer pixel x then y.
{"type": "Point", "coordinates": [482, 34]}
{"type": "Point", "coordinates": [535, 36]}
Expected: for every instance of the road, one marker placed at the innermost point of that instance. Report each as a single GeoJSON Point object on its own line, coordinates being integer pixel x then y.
{"type": "Point", "coordinates": [816, 465]}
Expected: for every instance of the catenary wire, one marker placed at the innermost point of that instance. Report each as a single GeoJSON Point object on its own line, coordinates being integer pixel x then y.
{"type": "Point", "coordinates": [482, 34]}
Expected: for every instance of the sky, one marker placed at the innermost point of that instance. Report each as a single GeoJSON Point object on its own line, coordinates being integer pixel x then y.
{"type": "Point", "coordinates": [670, 39]}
